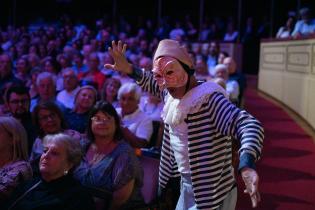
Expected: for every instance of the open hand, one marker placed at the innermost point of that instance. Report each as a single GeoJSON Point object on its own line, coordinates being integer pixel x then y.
{"type": "Point", "coordinates": [117, 51]}
{"type": "Point", "coordinates": [251, 179]}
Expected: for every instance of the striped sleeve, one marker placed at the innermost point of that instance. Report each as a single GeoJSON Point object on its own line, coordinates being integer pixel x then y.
{"type": "Point", "coordinates": [148, 84]}
{"type": "Point", "coordinates": [230, 120]}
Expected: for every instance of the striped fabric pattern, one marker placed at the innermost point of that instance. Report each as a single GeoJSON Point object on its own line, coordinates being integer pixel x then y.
{"type": "Point", "coordinates": [210, 128]}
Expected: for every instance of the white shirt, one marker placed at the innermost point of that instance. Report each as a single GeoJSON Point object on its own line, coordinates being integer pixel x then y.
{"type": "Point", "coordinates": [304, 28]}
{"type": "Point", "coordinates": [67, 98]}
{"type": "Point", "coordinates": [179, 144]}
{"type": "Point", "coordinates": [138, 123]}
{"type": "Point", "coordinates": [150, 109]}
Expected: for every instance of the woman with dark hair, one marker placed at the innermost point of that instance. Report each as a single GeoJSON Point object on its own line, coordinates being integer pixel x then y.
{"type": "Point", "coordinates": [48, 119]}
{"type": "Point", "coordinates": [110, 163]}
{"type": "Point", "coordinates": [110, 91]}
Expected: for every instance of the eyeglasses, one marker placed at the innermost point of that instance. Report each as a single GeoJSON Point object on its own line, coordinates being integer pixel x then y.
{"type": "Point", "coordinates": [23, 101]}
{"type": "Point", "coordinates": [100, 119]}
{"type": "Point", "coordinates": [45, 118]}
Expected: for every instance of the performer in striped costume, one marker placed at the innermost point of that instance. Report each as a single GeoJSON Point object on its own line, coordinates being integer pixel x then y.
{"type": "Point", "coordinates": [200, 124]}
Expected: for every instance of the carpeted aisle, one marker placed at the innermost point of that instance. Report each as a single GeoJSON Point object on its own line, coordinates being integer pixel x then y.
{"type": "Point", "coordinates": [287, 167]}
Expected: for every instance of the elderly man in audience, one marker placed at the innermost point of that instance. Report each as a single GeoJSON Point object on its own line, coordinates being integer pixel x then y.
{"type": "Point", "coordinates": [14, 168]}
{"type": "Point", "coordinates": [46, 87]}
{"type": "Point", "coordinates": [237, 76]}
{"type": "Point", "coordinates": [71, 88]}
{"type": "Point", "coordinates": [18, 104]}
{"type": "Point", "coordinates": [55, 188]}
{"type": "Point", "coordinates": [136, 125]}
{"type": "Point", "coordinates": [232, 87]}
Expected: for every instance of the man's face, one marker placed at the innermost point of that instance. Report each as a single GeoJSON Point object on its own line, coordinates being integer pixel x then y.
{"type": "Point", "coordinates": [19, 105]}
{"type": "Point", "coordinates": [46, 89]}
{"type": "Point", "coordinates": [169, 74]}
{"type": "Point", "coordinates": [70, 81]}
{"type": "Point", "coordinates": [5, 65]}
{"type": "Point", "coordinates": [128, 103]}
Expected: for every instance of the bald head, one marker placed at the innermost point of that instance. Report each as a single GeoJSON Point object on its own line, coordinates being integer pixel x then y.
{"type": "Point", "coordinates": [231, 64]}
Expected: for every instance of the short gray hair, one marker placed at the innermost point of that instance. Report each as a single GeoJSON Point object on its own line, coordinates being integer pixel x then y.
{"type": "Point", "coordinates": [46, 75]}
{"type": "Point", "coordinates": [72, 146]}
{"type": "Point", "coordinates": [130, 88]}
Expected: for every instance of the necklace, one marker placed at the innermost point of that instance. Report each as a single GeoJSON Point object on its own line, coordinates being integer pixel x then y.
{"type": "Point", "coordinates": [96, 154]}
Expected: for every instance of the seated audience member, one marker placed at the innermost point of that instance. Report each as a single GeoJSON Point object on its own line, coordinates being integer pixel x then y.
{"type": "Point", "coordinates": [110, 91]}
{"type": "Point", "coordinates": [78, 65]}
{"type": "Point", "coordinates": [18, 104]}
{"type": "Point", "coordinates": [136, 126]}
{"type": "Point", "coordinates": [6, 72]}
{"type": "Point", "coordinates": [23, 71]}
{"type": "Point", "coordinates": [232, 87]}
{"type": "Point", "coordinates": [231, 34]}
{"type": "Point", "coordinates": [77, 117]}
{"type": "Point", "coordinates": [212, 57]}
{"type": "Point", "coordinates": [286, 30]}
{"type": "Point", "coordinates": [222, 55]}
{"type": "Point", "coordinates": [71, 87]}
{"type": "Point", "coordinates": [14, 168]}
{"type": "Point", "coordinates": [93, 74]}
{"type": "Point", "coordinates": [201, 70]}
{"type": "Point", "coordinates": [236, 76]}
{"type": "Point", "coordinates": [109, 162]}
{"type": "Point", "coordinates": [48, 119]}
{"type": "Point", "coordinates": [305, 26]}
{"type": "Point", "coordinates": [55, 189]}
{"type": "Point", "coordinates": [46, 87]}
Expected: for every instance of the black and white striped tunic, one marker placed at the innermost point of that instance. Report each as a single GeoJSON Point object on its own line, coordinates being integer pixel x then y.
{"type": "Point", "coordinates": [210, 128]}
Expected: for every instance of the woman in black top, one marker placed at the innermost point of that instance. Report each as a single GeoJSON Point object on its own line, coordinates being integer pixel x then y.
{"type": "Point", "coordinates": [55, 189]}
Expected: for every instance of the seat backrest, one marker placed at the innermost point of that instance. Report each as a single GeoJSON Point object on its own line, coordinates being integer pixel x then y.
{"type": "Point", "coordinates": [149, 189]}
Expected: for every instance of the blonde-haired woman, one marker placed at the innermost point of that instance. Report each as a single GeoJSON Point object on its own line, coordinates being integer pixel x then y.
{"type": "Point", "coordinates": [14, 167]}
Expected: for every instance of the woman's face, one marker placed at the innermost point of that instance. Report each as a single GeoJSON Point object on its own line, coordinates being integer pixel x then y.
{"type": "Point", "coordinates": [49, 67]}
{"type": "Point", "coordinates": [49, 121]}
{"type": "Point", "coordinates": [53, 162]}
{"type": "Point", "coordinates": [112, 88]}
{"type": "Point", "coordinates": [103, 125]}
{"type": "Point", "coordinates": [86, 98]}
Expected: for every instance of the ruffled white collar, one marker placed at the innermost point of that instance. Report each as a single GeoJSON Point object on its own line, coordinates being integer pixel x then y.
{"type": "Point", "coordinates": [176, 110]}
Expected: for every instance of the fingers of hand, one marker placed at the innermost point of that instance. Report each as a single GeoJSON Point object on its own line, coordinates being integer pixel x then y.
{"type": "Point", "coordinates": [124, 48]}
{"type": "Point", "coordinates": [114, 46]}
{"type": "Point", "coordinates": [119, 46]}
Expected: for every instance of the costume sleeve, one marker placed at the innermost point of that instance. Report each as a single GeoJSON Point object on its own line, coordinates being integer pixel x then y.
{"type": "Point", "coordinates": [230, 120]}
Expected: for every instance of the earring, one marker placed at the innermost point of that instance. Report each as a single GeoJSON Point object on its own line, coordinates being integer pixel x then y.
{"type": "Point", "coordinates": [65, 172]}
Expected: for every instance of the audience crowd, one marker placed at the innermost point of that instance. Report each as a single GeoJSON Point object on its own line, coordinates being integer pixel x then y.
{"type": "Point", "coordinates": [56, 94]}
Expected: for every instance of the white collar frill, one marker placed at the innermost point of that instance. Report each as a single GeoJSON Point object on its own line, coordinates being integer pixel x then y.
{"type": "Point", "coordinates": [176, 110]}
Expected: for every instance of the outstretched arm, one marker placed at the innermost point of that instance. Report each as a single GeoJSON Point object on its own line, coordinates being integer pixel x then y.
{"type": "Point", "coordinates": [121, 64]}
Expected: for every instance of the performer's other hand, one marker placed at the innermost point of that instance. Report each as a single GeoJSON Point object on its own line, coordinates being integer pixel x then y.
{"type": "Point", "coordinates": [251, 179]}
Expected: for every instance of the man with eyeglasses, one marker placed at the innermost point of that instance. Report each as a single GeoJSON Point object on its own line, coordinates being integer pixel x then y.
{"type": "Point", "coordinates": [18, 104]}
